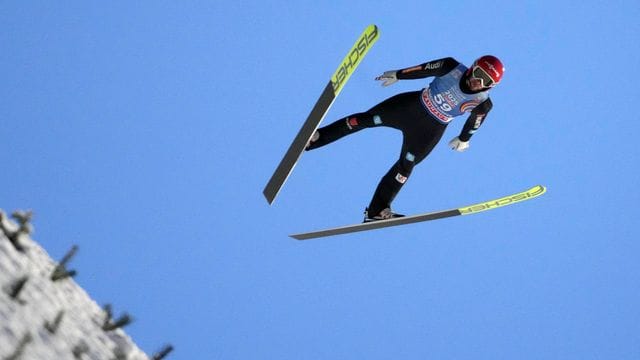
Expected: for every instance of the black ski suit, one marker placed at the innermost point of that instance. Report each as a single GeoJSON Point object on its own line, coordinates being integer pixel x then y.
{"type": "Point", "coordinates": [420, 130]}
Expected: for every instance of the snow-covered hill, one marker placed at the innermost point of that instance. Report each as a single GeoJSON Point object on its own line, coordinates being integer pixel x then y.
{"type": "Point", "coordinates": [28, 326]}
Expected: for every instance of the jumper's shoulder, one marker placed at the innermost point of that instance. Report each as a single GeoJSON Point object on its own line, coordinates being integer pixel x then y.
{"type": "Point", "coordinates": [449, 63]}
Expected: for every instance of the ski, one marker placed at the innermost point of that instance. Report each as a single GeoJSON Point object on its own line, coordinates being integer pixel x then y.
{"type": "Point", "coordinates": [466, 210]}
{"type": "Point", "coordinates": [330, 92]}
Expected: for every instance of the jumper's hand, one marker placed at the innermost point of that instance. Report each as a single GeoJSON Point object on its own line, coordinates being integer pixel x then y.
{"type": "Point", "coordinates": [388, 78]}
{"type": "Point", "coordinates": [458, 145]}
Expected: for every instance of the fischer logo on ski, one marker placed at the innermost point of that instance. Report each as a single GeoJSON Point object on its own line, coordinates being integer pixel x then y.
{"type": "Point", "coordinates": [353, 59]}
{"type": "Point", "coordinates": [508, 200]}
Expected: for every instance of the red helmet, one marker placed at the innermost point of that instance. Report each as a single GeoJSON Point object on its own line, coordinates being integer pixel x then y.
{"type": "Point", "coordinates": [489, 69]}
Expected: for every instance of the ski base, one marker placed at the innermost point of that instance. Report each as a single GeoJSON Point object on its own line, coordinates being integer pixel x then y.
{"type": "Point", "coordinates": [466, 210]}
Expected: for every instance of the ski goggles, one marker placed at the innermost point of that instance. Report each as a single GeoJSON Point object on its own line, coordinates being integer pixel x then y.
{"type": "Point", "coordinates": [478, 73]}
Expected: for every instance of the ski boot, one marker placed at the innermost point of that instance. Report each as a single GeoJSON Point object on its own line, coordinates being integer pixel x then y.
{"type": "Point", "coordinates": [385, 214]}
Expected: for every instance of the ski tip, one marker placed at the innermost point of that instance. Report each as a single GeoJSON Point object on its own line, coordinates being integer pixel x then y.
{"type": "Point", "coordinates": [538, 190]}
{"type": "Point", "coordinates": [374, 32]}
{"type": "Point", "coordinates": [531, 193]}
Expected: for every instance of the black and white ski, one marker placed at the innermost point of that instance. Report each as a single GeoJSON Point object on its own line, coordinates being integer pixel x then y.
{"type": "Point", "coordinates": [330, 92]}
{"type": "Point", "coordinates": [466, 210]}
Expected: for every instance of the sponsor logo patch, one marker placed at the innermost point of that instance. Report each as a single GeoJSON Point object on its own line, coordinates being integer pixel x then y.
{"type": "Point", "coordinates": [401, 178]}
{"type": "Point", "coordinates": [433, 66]}
{"type": "Point", "coordinates": [410, 157]}
{"type": "Point", "coordinates": [352, 122]}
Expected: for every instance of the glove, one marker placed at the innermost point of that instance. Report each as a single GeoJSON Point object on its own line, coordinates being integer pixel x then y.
{"type": "Point", "coordinates": [458, 145]}
{"type": "Point", "coordinates": [388, 78]}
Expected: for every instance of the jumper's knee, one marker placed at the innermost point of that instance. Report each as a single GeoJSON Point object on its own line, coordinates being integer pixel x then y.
{"type": "Point", "coordinates": [404, 167]}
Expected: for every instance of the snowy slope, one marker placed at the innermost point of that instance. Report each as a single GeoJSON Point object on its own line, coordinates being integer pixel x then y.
{"type": "Point", "coordinates": [22, 331]}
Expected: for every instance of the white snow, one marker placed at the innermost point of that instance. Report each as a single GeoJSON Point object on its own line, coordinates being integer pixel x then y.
{"type": "Point", "coordinates": [40, 301]}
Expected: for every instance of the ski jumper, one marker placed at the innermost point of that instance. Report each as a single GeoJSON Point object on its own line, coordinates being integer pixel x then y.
{"type": "Point", "coordinates": [421, 116]}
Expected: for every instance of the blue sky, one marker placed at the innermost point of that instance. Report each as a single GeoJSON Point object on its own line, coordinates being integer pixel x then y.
{"type": "Point", "coordinates": [146, 132]}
